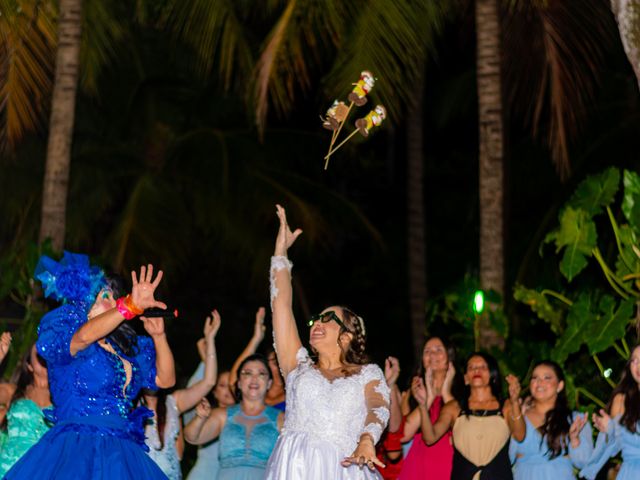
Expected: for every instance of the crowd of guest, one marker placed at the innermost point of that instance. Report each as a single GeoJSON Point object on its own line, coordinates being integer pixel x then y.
{"type": "Point", "coordinates": [322, 412]}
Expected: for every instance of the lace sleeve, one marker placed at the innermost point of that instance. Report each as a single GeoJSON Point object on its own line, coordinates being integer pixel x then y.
{"type": "Point", "coordinates": [277, 263]}
{"type": "Point", "coordinates": [376, 394]}
{"type": "Point", "coordinates": [55, 332]}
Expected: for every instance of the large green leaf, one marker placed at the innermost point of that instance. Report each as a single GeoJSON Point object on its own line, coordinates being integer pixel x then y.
{"type": "Point", "coordinates": [541, 306]}
{"type": "Point", "coordinates": [631, 198]}
{"type": "Point", "coordinates": [610, 323]}
{"type": "Point", "coordinates": [596, 191]}
{"type": "Point", "coordinates": [627, 262]}
{"type": "Point", "coordinates": [577, 236]}
{"type": "Point", "coordinates": [580, 316]}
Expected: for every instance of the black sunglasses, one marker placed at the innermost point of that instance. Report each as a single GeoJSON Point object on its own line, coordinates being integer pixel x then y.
{"type": "Point", "coordinates": [326, 317]}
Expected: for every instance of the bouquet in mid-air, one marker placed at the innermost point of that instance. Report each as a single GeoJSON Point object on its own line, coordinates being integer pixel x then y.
{"type": "Point", "coordinates": [338, 113]}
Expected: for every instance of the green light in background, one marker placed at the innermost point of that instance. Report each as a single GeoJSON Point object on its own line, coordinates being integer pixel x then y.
{"type": "Point", "coordinates": [607, 373]}
{"type": "Point", "coordinates": [478, 302]}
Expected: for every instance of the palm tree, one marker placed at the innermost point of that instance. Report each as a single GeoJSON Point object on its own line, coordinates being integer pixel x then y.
{"type": "Point", "coordinates": [27, 45]}
{"type": "Point", "coordinates": [552, 56]}
{"type": "Point", "coordinates": [627, 14]}
{"type": "Point", "coordinates": [491, 166]}
{"type": "Point", "coordinates": [63, 105]}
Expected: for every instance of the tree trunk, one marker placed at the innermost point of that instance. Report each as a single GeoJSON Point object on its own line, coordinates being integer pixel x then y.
{"type": "Point", "coordinates": [416, 219]}
{"type": "Point", "coordinates": [627, 13]}
{"type": "Point", "coordinates": [491, 168]}
{"type": "Point", "coordinates": [56, 177]}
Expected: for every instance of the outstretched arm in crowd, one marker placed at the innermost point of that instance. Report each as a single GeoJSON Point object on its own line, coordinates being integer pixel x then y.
{"type": "Point", "coordinates": [414, 419]}
{"type": "Point", "coordinates": [512, 409]}
{"type": "Point", "coordinates": [99, 326]}
{"type": "Point", "coordinates": [165, 365]}
{"type": "Point", "coordinates": [206, 425]}
{"type": "Point", "coordinates": [287, 339]}
{"type": "Point", "coordinates": [424, 394]}
{"type": "Point", "coordinates": [252, 346]}
{"type": "Point", "coordinates": [187, 398]}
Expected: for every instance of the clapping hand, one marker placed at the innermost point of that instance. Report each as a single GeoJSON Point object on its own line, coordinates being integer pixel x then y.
{"type": "Point", "coordinates": [259, 328]}
{"type": "Point", "coordinates": [285, 237]}
{"type": "Point", "coordinates": [419, 391]}
{"type": "Point", "coordinates": [601, 421]}
{"type": "Point", "coordinates": [576, 427]}
{"type": "Point", "coordinates": [212, 325]}
{"type": "Point", "coordinates": [391, 371]}
{"type": "Point", "coordinates": [203, 409]}
{"type": "Point", "coordinates": [514, 388]}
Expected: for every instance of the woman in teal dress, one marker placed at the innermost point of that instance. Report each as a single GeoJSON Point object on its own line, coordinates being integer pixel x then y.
{"type": "Point", "coordinates": [25, 419]}
{"type": "Point", "coordinates": [557, 439]}
{"type": "Point", "coordinates": [248, 430]}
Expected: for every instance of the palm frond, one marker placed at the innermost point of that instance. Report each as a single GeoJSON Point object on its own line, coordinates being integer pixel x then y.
{"type": "Point", "coordinates": [391, 39]}
{"type": "Point", "coordinates": [27, 43]}
{"type": "Point", "coordinates": [102, 30]}
{"type": "Point", "coordinates": [214, 30]}
{"type": "Point", "coordinates": [554, 51]}
{"type": "Point", "coordinates": [297, 42]}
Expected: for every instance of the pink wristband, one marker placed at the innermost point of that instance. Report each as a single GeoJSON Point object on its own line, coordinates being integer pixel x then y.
{"type": "Point", "coordinates": [124, 310]}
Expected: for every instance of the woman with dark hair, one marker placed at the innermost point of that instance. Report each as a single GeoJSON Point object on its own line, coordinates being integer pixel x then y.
{"type": "Point", "coordinates": [25, 419]}
{"type": "Point", "coordinates": [247, 430]}
{"type": "Point", "coordinates": [437, 364]}
{"type": "Point", "coordinates": [338, 405]}
{"type": "Point", "coordinates": [618, 425]}
{"type": "Point", "coordinates": [97, 365]}
{"type": "Point", "coordinates": [557, 439]}
{"type": "Point", "coordinates": [481, 425]}
{"type": "Point", "coordinates": [164, 432]}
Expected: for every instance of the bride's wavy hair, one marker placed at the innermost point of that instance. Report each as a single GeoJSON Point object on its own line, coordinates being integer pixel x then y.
{"type": "Point", "coordinates": [355, 351]}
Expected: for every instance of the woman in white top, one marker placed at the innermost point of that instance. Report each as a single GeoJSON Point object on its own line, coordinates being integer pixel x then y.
{"type": "Point", "coordinates": [337, 405]}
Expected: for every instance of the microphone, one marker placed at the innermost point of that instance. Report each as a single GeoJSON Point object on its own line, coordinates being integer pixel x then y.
{"type": "Point", "coordinates": [159, 312]}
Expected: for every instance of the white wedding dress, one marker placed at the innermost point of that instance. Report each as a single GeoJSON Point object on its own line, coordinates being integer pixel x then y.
{"type": "Point", "coordinates": [324, 421]}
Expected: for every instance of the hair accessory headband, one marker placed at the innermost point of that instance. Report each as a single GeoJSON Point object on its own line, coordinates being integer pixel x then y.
{"type": "Point", "coordinates": [71, 279]}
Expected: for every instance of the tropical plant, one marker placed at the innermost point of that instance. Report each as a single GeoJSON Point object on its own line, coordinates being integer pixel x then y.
{"type": "Point", "coordinates": [588, 316]}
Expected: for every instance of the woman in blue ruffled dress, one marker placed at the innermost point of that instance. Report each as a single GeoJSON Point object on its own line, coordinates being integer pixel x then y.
{"type": "Point", "coordinates": [248, 430]}
{"type": "Point", "coordinates": [619, 426]}
{"type": "Point", "coordinates": [97, 365]}
{"type": "Point", "coordinates": [556, 440]}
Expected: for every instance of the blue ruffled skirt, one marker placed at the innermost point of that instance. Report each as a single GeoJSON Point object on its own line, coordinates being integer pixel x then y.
{"type": "Point", "coordinates": [96, 448]}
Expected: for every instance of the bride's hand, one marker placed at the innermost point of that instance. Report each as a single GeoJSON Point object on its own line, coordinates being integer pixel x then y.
{"type": "Point", "coordinates": [364, 455]}
{"type": "Point", "coordinates": [285, 237]}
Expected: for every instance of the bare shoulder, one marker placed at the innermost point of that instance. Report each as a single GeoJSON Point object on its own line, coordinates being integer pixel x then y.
{"type": "Point", "coordinates": [452, 408]}
{"type": "Point", "coordinates": [617, 405]}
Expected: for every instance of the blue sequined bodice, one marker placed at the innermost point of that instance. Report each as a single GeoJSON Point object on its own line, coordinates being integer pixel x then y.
{"type": "Point", "coordinates": [246, 440]}
{"type": "Point", "coordinates": [91, 383]}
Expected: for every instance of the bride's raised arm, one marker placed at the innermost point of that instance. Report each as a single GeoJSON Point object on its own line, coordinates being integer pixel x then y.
{"type": "Point", "coordinates": [286, 337]}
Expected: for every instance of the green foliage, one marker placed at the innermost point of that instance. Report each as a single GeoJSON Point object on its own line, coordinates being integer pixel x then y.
{"type": "Point", "coordinates": [541, 306]}
{"type": "Point", "coordinates": [596, 192]}
{"type": "Point", "coordinates": [593, 321]}
{"type": "Point", "coordinates": [577, 236]}
{"type": "Point", "coordinates": [631, 198]}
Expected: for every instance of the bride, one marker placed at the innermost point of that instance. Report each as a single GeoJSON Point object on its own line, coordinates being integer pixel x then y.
{"type": "Point", "coordinates": [337, 406]}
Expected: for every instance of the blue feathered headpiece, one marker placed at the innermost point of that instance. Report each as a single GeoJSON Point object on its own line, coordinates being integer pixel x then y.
{"type": "Point", "coordinates": [71, 279]}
